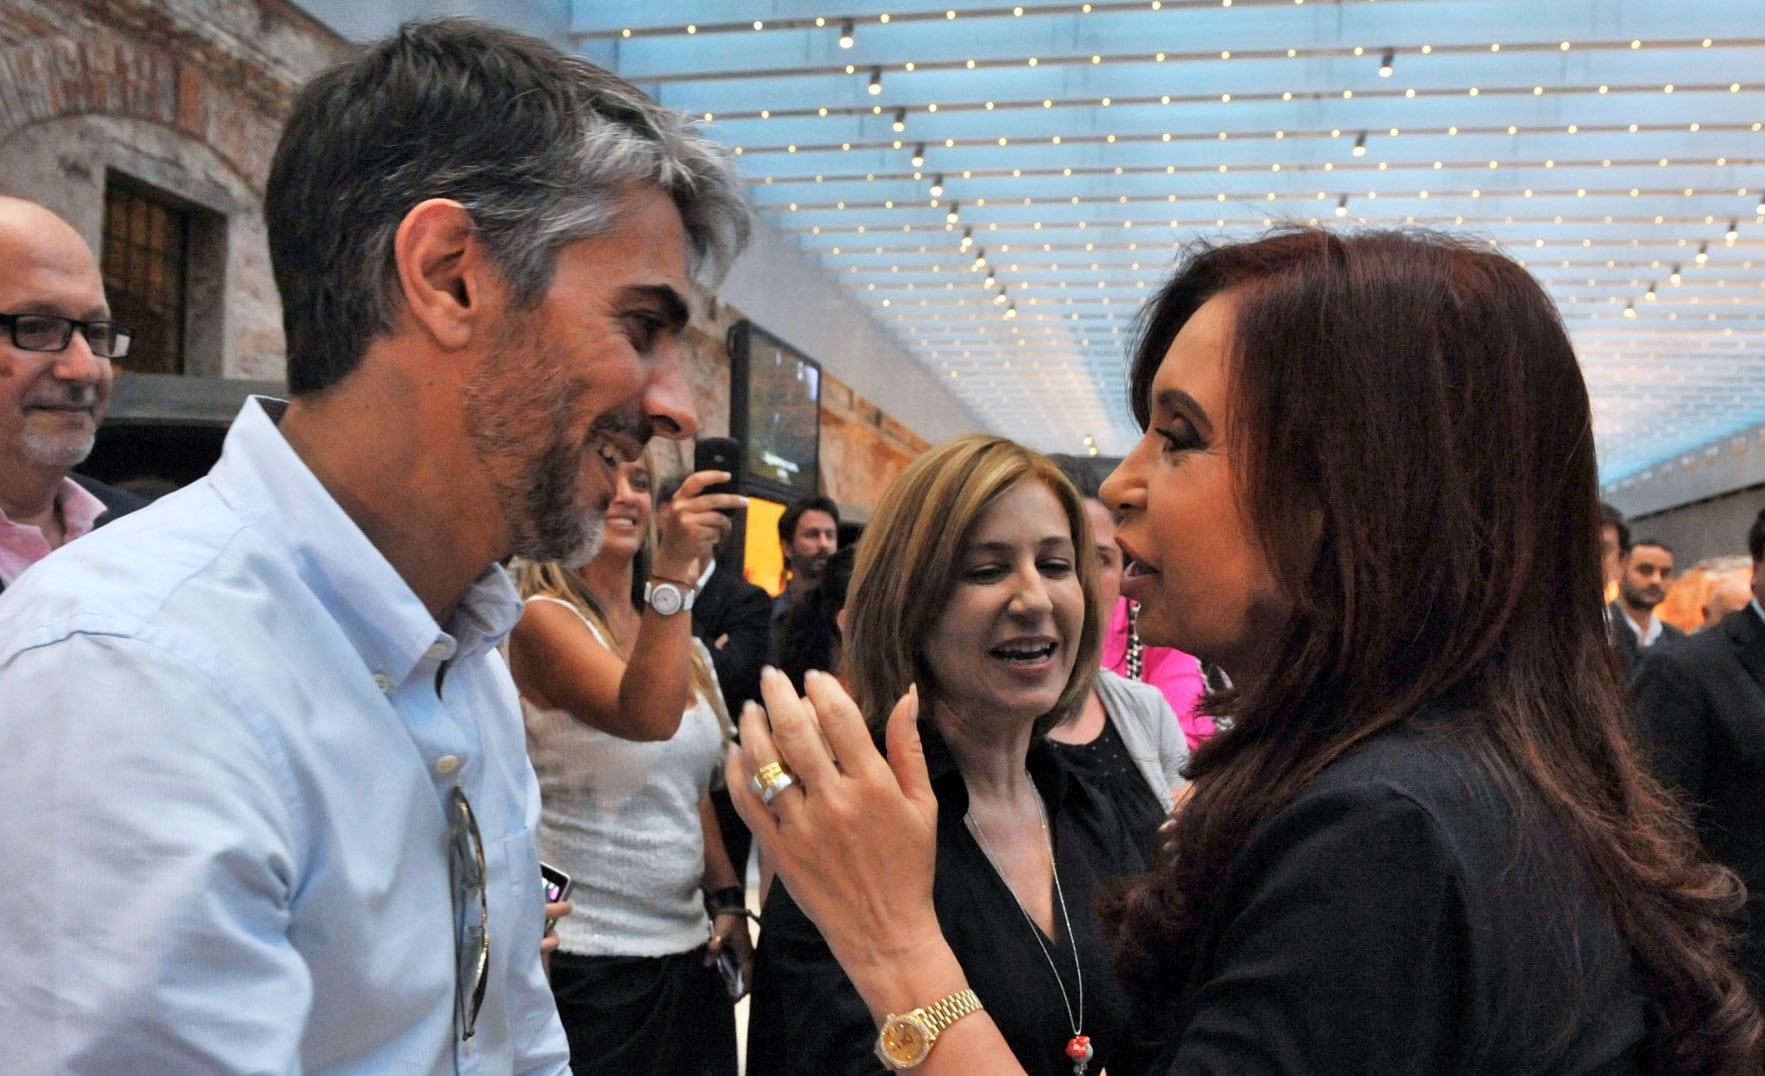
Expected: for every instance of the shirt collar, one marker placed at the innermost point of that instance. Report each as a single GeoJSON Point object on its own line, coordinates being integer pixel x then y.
{"type": "Point", "coordinates": [1759, 609]}
{"type": "Point", "coordinates": [1648, 637]}
{"type": "Point", "coordinates": [23, 544]}
{"type": "Point", "coordinates": [262, 478]}
{"type": "Point", "coordinates": [79, 508]}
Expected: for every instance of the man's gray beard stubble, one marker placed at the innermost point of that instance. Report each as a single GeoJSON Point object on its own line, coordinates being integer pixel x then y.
{"type": "Point", "coordinates": [517, 391]}
{"type": "Point", "coordinates": [57, 450]}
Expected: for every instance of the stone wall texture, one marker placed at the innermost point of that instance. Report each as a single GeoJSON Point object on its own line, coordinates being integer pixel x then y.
{"type": "Point", "coordinates": [187, 96]}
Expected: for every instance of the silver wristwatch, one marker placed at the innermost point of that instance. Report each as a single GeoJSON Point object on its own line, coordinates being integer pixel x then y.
{"type": "Point", "coordinates": [669, 598]}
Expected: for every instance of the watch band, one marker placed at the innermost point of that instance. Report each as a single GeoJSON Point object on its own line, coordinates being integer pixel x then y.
{"type": "Point", "coordinates": [898, 1052]}
{"type": "Point", "coordinates": [942, 1013]}
{"type": "Point", "coordinates": [729, 899]}
{"type": "Point", "coordinates": [669, 598]}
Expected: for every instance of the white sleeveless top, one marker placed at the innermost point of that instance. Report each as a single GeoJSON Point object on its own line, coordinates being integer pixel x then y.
{"type": "Point", "coordinates": [622, 819]}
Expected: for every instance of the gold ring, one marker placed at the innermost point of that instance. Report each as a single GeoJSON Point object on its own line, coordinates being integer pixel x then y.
{"type": "Point", "coordinates": [769, 780]}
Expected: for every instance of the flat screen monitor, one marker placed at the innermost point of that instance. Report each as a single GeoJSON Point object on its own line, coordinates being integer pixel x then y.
{"type": "Point", "coordinates": [775, 412]}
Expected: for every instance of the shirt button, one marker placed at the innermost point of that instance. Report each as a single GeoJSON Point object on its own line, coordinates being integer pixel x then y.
{"type": "Point", "coordinates": [383, 682]}
{"type": "Point", "coordinates": [436, 650]}
{"type": "Point", "coordinates": [447, 764]}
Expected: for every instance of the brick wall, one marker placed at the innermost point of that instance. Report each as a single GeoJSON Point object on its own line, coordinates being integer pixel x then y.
{"type": "Point", "coordinates": [186, 96]}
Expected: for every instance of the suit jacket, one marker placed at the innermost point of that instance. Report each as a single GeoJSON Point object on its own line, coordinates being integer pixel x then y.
{"type": "Point", "coordinates": [1626, 639]}
{"type": "Point", "coordinates": [117, 502]}
{"type": "Point", "coordinates": [730, 605]}
{"type": "Point", "coordinates": [1702, 711]}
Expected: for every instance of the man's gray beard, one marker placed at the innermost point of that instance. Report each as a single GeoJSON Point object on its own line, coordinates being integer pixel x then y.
{"type": "Point", "coordinates": [548, 525]}
{"type": "Point", "coordinates": [57, 450]}
{"type": "Point", "coordinates": [594, 531]}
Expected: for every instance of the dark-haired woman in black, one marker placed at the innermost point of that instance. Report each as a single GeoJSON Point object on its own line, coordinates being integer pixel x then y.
{"type": "Point", "coordinates": [1367, 491]}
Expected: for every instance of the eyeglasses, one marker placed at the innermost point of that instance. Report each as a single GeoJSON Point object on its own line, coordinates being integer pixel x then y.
{"type": "Point", "coordinates": [49, 332]}
{"type": "Point", "coordinates": [471, 912]}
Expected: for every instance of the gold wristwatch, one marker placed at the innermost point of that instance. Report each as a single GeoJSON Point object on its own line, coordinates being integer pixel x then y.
{"type": "Point", "coordinates": [905, 1040]}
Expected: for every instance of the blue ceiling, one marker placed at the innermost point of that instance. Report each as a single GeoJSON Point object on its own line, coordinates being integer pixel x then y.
{"type": "Point", "coordinates": [1614, 146]}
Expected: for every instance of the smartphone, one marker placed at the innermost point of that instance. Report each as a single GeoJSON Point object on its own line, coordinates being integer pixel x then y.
{"type": "Point", "coordinates": [719, 454]}
{"type": "Point", "coordinates": [556, 885]}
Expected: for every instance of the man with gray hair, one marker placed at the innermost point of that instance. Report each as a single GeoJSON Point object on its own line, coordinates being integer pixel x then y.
{"type": "Point", "coordinates": [55, 351]}
{"type": "Point", "coordinates": [268, 806]}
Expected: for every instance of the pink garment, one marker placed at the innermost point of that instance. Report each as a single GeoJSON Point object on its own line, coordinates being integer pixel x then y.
{"type": "Point", "coordinates": [1176, 674]}
{"type": "Point", "coordinates": [22, 545]}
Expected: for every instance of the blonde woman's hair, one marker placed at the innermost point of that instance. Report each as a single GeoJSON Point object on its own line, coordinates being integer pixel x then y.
{"type": "Point", "coordinates": [910, 557]}
{"type": "Point", "coordinates": [552, 579]}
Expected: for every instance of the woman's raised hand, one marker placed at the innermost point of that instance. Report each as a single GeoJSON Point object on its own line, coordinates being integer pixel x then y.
{"type": "Point", "coordinates": [854, 840]}
{"type": "Point", "coordinates": [691, 525]}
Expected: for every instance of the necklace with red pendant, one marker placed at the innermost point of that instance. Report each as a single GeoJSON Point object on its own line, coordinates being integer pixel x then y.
{"type": "Point", "coordinates": [1078, 1048]}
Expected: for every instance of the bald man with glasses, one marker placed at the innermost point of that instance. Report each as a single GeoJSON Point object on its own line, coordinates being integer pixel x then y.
{"type": "Point", "coordinates": [56, 346]}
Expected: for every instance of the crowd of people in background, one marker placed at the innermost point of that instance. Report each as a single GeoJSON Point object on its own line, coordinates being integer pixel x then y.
{"type": "Point", "coordinates": [1285, 749]}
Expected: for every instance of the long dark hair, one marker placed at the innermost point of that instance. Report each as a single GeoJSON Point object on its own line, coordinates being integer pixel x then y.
{"type": "Point", "coordinates": [1416, 455]}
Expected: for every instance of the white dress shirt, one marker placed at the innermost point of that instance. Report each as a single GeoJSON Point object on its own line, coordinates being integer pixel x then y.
{"type": "Point", "coordinates": [231, 731]}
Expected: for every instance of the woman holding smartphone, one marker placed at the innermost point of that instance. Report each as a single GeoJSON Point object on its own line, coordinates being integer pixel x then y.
{"type": "Point", "coordinates": [625, 729]}
{"type": "Point", "coordinates": [1367, 490]}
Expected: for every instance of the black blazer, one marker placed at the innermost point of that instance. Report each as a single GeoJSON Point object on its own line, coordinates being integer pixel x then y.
{"type": "Point", "coordinates": [1702, 713]}
{"type": "Point", "coordinates": [730, 605]}
{"type": "Point", "coordinates": [117, 502]}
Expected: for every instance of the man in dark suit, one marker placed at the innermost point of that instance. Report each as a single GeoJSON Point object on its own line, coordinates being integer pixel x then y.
{"type": "Point", "coordinates": [1646, 569]}
{"type": "Point", "coordinates": [1702, 712]}
{"type": "Point", "coordinates": [56, 345]}
{"type": "Point", "coordinates": [733, 618]}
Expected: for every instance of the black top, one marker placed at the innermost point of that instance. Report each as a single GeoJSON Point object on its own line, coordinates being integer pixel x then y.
{"type": "Point", "coordinates": [1106, 765]}
{"type": "Point", "coordinates": [807, 1020]}
{"type": "Point", "coordinates": [740, 612]}
{"type": "Point", "coordinates": [1399, 916]}
{"type": "Point", "coordinates": [1703, 711]}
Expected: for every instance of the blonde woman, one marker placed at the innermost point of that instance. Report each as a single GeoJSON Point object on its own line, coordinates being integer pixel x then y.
{"type": "Point", "coordinates": [625, 728]}
{"type": "Point", "coordinates": [975, 580]}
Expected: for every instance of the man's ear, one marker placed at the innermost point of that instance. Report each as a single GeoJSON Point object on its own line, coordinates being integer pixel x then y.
{"type": "Point", "coordinates": [443, 273]}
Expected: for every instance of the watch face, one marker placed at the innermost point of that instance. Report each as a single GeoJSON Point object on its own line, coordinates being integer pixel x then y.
{"type": "Point", "coordinates": [904, 1041]}
{"type": "Point", "coordinates": [665, 598]}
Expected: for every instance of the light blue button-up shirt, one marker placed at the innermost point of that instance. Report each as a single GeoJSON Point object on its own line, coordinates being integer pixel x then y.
{"type": "Point", "coordinates": [228, 734]}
